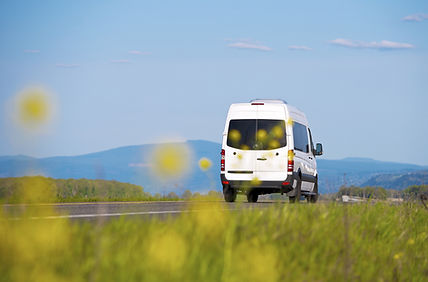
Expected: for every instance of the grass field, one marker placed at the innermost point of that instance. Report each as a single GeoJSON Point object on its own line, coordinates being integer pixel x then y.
{"type": "Point", "coordinates": [320, 242]}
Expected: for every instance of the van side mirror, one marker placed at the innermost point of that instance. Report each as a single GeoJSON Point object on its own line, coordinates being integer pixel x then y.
{"type": "Point", "coordinates": [318, 150]}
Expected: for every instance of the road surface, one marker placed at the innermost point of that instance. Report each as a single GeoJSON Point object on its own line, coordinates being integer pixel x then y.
{"type": "Point", "coordinates": [107, 210]}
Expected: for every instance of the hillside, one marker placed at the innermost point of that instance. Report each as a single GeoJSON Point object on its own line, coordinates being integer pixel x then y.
{"type": "Point", "coordinates": [131, 164]}
{"type": "Point", "coordinates": [125, 164]}
{"type": "Point", "coordinates": [398, 181]}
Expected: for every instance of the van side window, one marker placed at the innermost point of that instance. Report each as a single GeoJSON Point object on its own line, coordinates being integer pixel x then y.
{"type": "Point", "coordinates": [300, 137]}
{"type": "Point", "coordinates": [310, 139]}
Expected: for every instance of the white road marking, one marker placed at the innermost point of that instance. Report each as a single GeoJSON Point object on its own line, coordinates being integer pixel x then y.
{"type": "Point", "coordinates": [92, 203]}
{"type": "Point", "coordinates": [114, 214]}
{"type": "Point", "coordinates": [104, 214]}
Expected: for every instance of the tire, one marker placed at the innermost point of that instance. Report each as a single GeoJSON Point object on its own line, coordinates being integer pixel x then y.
{"type": "Point", "coordinates": [229, 194]}
{"type": "Point", "coordinates": [298, 194]}
{"type": "Point", "coordinates": [252, 197]}
{"type": "Point", "coordinates": [314, 198]}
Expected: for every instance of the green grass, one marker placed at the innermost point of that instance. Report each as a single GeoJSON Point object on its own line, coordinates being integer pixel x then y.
{"type": "Point", "coordinates": [321, 242]}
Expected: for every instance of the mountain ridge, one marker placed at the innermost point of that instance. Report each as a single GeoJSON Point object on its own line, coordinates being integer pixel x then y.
{"type": "Point", "coordinates": [130, 164]}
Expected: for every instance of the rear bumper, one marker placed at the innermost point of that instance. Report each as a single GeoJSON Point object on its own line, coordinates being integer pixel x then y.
{"type": "Point", "coordinates": [263, 187]}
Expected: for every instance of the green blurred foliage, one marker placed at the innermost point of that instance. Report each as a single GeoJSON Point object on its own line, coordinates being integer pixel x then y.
{"type": "Point", "coordinates": [323, 242]}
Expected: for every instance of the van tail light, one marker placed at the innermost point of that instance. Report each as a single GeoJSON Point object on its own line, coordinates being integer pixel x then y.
{"type": "Point", "coordinates": [222, 160]}
{"type": "Point", "coordinates": [257, 104]}
{"type": "Point", "coordinates": [290, 166]}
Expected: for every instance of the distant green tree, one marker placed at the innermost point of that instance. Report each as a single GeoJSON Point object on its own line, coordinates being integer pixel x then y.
{"type": "Point", "coordinates": [414, 191]}
{"type": "Point", "coordinates": [172, 195]}
{"type": "Point", "coordinates": [214, 194]}
{"type": "Point", "coordinates": [187, 194]}
{"type": "Point", "coordinates": [366, 192]}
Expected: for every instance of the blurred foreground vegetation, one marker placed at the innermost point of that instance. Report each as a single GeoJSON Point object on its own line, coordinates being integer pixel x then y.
{"type": "Point", "coordinates": [317, 242]}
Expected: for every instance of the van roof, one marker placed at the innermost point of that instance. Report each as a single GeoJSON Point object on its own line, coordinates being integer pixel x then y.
{"type": "Point", "coordinates": [295, 113]}
{"type": "Point", "coordinates": [273, 101]}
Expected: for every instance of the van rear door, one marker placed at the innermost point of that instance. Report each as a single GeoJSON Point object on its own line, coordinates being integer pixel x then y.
{"type": "Point", "coordinates": [240, 156]}
{"type": "Point", "coordinates": [271, 160]}
{"type": "Point", "coordinates": [257, 149]}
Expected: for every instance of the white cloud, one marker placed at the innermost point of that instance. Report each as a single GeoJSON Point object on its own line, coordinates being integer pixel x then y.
{"type": "Point", "coordinates": [248, 44]}
{"type": "Point", "coordinates": [415, 18]}
{"type": "Point", "coordinates": [299, 48]}
{"type": "Point", "coordinates": [31, 51]}
{"type": "Point", "coordinates": [67, 66]}
{"type": "Point", "coordinates": [382, 45]}
{"type": "Point", "coordinates": [136, 52]}
{"type": "Point", "coordinates": [124, 61]}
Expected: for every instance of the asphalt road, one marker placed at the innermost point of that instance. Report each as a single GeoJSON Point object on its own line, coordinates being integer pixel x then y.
{"type": "Point", "coordinates": [109, 210]}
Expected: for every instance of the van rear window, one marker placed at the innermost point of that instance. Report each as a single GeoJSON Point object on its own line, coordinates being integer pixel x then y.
{"type": "Point", "coordinates": [256, 134]}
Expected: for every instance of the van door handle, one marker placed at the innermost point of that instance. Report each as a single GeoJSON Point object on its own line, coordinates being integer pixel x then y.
{"type": "Point", "coordinates": [261, 159]}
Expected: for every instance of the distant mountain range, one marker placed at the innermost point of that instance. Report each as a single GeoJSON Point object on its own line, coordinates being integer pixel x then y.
{"type": "Point", "coordinates": [398, 181]}
{"type": "Point", "coordinates": [130, 164]}
{"type": "Point", "coordinates": [367, 172]}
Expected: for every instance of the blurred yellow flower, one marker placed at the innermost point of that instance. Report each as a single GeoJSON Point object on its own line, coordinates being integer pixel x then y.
{"type": "Point", "coordinates": [261, 135]}
{"type": "Point", "coordinates": [36, 190]}
{"type": "Point", "coordinates": [245, 147]}
{"type": "Point", "coordinates": [210, 219]}
{"type": "Point", "coordinates": [274, 144]}
{"type": "Point", "coordinates": [255, 263]}
{"type": "Point", "coordinates": [398, 256]}
{"type": "Point", "coordinates": [171, 161]}
{"type": "Point", "coordinates": [33, 107]}
{"type": "Point", "coordinates": [234, 135]}
{"type": "Point", "coordinates": [167, 250]}
{"type": "Point", "coordinates": [290, 121]}
{"type": "Point", "coordinates": [255, 182]}
{"type": "Point", "coordinates": [205, 164]}
{"type": "Point", "coordinates": [277, 132]}
{"type": "Point", "coordinates": [30, 243]}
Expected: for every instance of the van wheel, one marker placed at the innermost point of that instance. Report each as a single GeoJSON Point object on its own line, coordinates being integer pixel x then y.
{"type": "Point", "coordinates": [229, 194]}
{"type": "Point", "coordinates": [298, 192]}
{"type": "Point", "coordinates": [252, 197]}
{"type": "Point", "coordinates": [314, 198]}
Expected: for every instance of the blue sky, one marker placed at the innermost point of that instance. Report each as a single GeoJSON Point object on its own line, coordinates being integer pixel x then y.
{"type": "Point", "coordinates": [134, 72]}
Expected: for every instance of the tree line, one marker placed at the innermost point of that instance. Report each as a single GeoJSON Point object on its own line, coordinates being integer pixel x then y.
{"type": "Point", "coordinates": [44, 189]}
{"type": "Point", "coordinates": [382, 193]}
